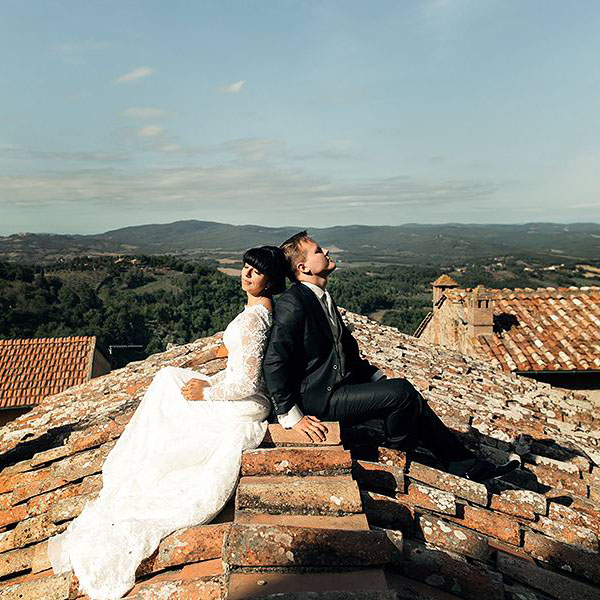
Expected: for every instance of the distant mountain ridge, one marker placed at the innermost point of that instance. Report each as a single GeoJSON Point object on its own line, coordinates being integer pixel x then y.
{"type": "Point", "coordinates": [407, 244]}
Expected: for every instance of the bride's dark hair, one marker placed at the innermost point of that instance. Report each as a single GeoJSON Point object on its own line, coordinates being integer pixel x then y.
{"type": "Point", "coordinates": [270, 261]}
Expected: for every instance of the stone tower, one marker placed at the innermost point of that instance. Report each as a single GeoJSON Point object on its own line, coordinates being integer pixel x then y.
{"type": "Point", "coordinates": [440, 285]}
{"type": "Point", "coordinates": [480, 312]}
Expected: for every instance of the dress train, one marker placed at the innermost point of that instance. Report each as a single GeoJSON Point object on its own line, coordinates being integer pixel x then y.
{"type": "Point", "coordinates": [175, 465]}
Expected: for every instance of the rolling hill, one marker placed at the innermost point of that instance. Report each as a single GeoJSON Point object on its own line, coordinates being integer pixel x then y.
{"type": "Point", "coordinates": [354, 244]}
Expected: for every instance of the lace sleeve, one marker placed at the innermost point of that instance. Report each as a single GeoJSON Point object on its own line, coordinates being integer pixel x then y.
{"type": "Point", "coordinates": [244, 361]}
{"type": "Point", "coordinates": [217, 377]}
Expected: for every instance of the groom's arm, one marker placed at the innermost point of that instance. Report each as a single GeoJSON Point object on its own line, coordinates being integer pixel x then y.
{"type": "Point", "coordinates": [286, 336]}
{"type": "Point", "coordinates": [360, 367]}
{"type": "Point", "coordinates": [287, 331]}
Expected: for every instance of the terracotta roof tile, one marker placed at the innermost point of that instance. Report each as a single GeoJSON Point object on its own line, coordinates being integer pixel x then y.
{"type": "Point", "coordinates": [557, 329]}
{"type": "Point", "coordinates": [31, 369]}
{"type": "Point", "coordinates": [444, 280]}
{"type": "Point", "coordinates": [440, 530]}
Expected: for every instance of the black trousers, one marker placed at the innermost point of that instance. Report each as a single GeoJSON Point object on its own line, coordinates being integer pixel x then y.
{"type": "Point", "coordinates": [408, 419]}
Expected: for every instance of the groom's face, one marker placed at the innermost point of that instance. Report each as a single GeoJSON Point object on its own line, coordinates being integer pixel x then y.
{"type": "Point", "coordinates": [317, 260]}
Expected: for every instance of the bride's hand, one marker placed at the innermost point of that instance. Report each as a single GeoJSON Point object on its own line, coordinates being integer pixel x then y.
{"type": "Point", "coordinates": [194, 389]}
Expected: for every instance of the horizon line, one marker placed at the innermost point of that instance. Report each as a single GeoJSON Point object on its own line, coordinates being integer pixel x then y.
{"type": "Point", "coordinates": [306, 227]}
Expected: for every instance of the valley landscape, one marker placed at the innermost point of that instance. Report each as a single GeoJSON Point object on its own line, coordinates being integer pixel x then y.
{"type": "Point", "coordinates": [355, 245]}
{"type": "Point", "coordinates": [154, 285]}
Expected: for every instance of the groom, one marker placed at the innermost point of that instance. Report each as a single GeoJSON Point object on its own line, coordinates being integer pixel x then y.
{"type": "Point", "coordinates": [313, 372]}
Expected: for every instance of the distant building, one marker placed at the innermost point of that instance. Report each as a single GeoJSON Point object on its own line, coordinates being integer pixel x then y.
{"type": "Point", "coordinates": [31, 369]}
{"type": "Point", "coordinates": [550, 334]}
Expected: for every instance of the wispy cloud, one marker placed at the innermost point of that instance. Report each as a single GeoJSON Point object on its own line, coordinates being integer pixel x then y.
{"type": "Point", "coordinates": [137, 73]}
{"type": "Point", "coordinates": [5, 148]}
{"type": "Point", "coordinates": [25, 153]}
{"type": "Point", "coordinates": [150, 138]}
{"type": "Point", "coordinates": [268, 149]}
{"type": "Point", "coordinates": [236, 188]}
{"type": "Point", "coordinates": [253, 149]}
{"type": "Point", "coordinates": [96, 156]}
{"type": "Point", "coordinates": [233, 88]}
{"type": "Point", "coordinates": [151, 131]}
{"type": "Point", "coordinates": [144, 112]}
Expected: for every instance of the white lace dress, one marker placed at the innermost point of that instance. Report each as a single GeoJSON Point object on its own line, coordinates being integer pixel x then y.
{"type": "Point", "coordinates": [175, 465]}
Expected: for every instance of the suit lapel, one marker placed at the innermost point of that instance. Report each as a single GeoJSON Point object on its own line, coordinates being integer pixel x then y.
{"type": "Point", "coordinates": [315, 308]}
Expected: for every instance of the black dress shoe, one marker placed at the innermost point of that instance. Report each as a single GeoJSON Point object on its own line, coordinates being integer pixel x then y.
{"type": "Point", "coordinates": [483, 470]}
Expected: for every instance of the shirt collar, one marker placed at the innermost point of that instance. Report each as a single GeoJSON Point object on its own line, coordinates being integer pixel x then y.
{"type": "Point", "coordinates": [319, 292]}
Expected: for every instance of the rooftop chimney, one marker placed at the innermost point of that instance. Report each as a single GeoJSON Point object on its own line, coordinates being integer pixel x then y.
{"type": "Point", "coordinates": [480, 312]}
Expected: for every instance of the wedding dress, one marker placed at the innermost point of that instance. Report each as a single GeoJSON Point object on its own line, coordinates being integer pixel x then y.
{"type": "Point", "coordinates": [175, 465]}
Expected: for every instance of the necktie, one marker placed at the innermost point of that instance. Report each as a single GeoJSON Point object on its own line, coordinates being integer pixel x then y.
{"type": "Point", "coordinates": [335, 328]}
{"type": "Point", "coordinates": [330, 309]}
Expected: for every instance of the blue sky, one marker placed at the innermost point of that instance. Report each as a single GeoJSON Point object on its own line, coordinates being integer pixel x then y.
{"type": "Point", "coordinates": [289, 112]}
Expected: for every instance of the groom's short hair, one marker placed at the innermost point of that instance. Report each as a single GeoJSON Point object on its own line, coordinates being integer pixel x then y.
{"type": "Point", "coordinates": [295, 252]}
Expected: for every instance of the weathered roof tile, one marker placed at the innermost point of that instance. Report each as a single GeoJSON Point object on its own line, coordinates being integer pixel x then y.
{"type": "Point", "coordinates": [555, 329]}
{"type": "Point", "coordinates": [53, 456]}
{"type": "Point", "coordinates": [31, 369]}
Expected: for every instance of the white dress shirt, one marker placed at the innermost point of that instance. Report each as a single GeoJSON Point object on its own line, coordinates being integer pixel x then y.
{"type": "Point", "coordinates": [294, 415]}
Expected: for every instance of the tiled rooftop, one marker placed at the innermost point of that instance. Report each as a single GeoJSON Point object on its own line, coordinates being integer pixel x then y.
{"type": "Point", "coordinates": [444, 280]}
{"type": "Point", "coordinates": [31, 369]}
{"type": "Point", "coordinates": [547, 329]}
{"type": "Point", "coordinates": [365, 523]}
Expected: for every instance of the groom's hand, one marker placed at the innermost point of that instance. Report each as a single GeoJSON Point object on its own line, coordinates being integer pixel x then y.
{"type": "Point", "coordinates": [194, 389]}
{"type": "Point", "coordinates": [312, 428]}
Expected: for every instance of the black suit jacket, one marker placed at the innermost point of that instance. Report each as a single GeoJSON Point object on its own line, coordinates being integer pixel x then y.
{"type": "Point", "coordinates": [301, 364]}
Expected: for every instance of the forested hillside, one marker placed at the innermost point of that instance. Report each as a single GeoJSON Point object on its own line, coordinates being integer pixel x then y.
{"type": "Point", "coordinates": [151, 301]}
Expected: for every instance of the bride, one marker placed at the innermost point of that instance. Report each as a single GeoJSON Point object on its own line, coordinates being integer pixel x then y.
{"type": "Point", "coordinates": [177, 462]}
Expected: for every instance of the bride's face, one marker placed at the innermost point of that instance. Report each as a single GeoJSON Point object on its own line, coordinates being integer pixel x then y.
{"type": "Point", "coordinates": [253, 281]}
